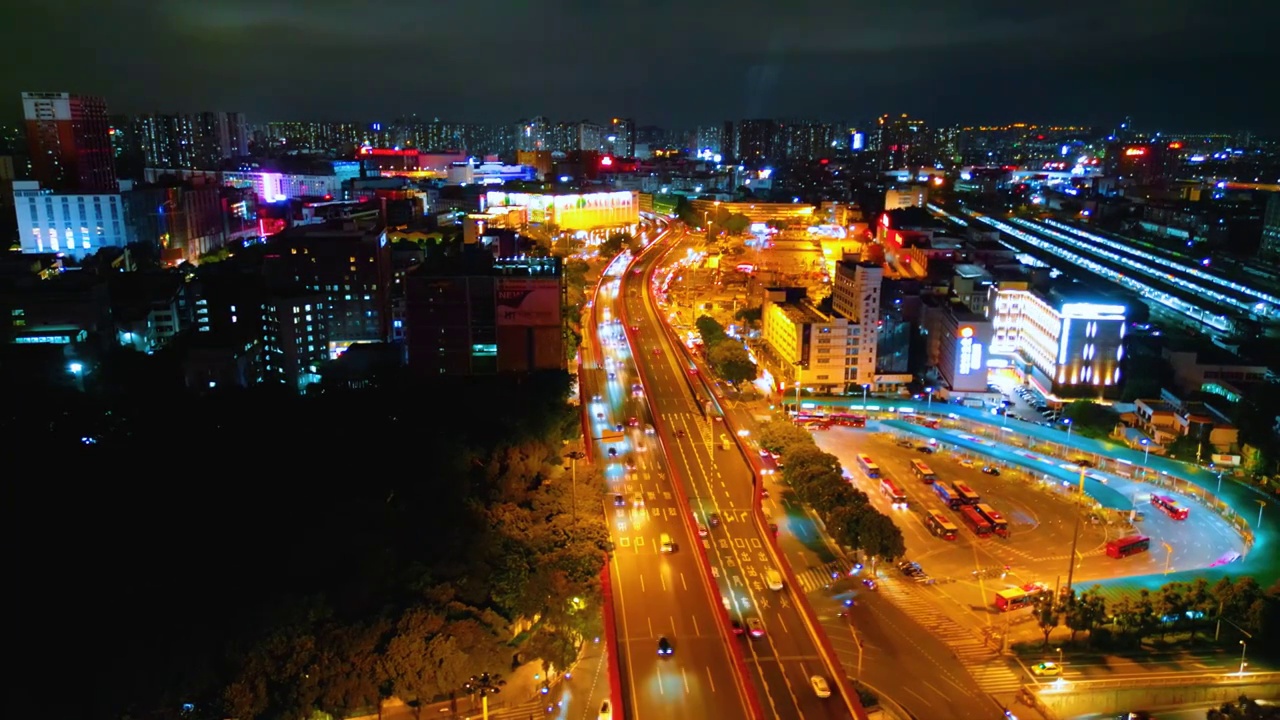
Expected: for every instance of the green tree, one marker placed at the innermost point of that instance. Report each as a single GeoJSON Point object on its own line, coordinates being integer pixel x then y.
{"type": "Point", "coordinates": [1091, 419]}
{"type": "Point", "coordinates": [750, 317]}
{"type": "Point", "coordinates": [616, 243]}
{"type": "Point", "coordinates": [1171, 607]}
{"type": "Point", "coordinates": [686, 214]}
{"type": "Point", "coordinates": [732, 363]}
{"type": "Point", "coordinates": [711, 332]}
{"type": "Point", "coordinates": [802, 457]}
{"type": "Point", "coordinates": [881, 537]}
{"type": "Point", "coordinates": [1047, 615]}
{"type": "Point", "coordinates": [736, 223]}
{"type": "Point", "coordinates": [778, 436]}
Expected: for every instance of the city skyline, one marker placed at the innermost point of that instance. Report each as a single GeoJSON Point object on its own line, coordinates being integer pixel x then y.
{"type": "Point", "coordinates": [1174, 72]}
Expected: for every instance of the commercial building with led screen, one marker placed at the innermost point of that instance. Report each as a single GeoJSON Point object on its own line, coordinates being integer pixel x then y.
{"type": "Point", "coordinates": [587, 211]}
{"type": "Point", "coordinates": [1062, 345]}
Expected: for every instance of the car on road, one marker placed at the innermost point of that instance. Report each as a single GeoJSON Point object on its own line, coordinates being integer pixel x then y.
{"type": "Point", "coordinates": [755, 627]}
{"type": "Point", "coordinates": [613, 375]}
{"type": "Point", "coordinates": [1046, 669]}
{"type": "Point", "coordinates": [597, 398]}
{"type": "Point", "coordinates": [664, 647]}
{"type": "Point", "coordinates": [820, 686]}
{"type": "Point", "coordinates": [910, 569]}
{"type": "Point", "coordinates": [618, 427]}
{"type": "Point", "coordinates": [989, 470]}
{"type": "Point", "coordinates": [869, 583]}
{"type": "Point", "coordinates": [637, 499]}
{"type": "Point", "coordinates": [613, 452]}
{"type": "Point", "coordinates": [702, 530]}
{"type": "Point", "coordinates": [631, 463]}
{"type": "Point", "coordinates": [924, 449]}
{"type": "Point", "coordinates": [667, 544]}
{"type": "Point", "coordinates": [633, 421]}
{"type": "Point", "coordinates": [599, 416]}
{"type": "Point", "coordinates": [714, 520]}
{"type": "Point", "coordinates": [619, 501]}
{"type": "Point", "coordinates": [904, 443]}
{"type": "Point", "coordinates": [737, 627]}
{"type": "Point", "coordinates": [966, 462]}
{"type": "Point", "coordinates": [680, 433]}
{"type": "Point", "coordinates": [606, 711]}
{"type": "Point", "coordinates": [648, 429]}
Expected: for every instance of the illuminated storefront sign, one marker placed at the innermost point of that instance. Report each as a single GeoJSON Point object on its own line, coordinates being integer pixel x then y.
{"type": "Point", "coordinates": [1134, 151]}
{"type": "Point", "coordinates": [1093, 311]}
{"type": "Point", "coordinates": [970, 352]}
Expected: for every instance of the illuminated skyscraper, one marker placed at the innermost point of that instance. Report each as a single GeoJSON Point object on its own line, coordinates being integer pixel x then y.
{"type": "Point", "coordinates": [620, 137]}
{"type": "Point", "coordinates": [69, 140]}
{"type": "Point", "coordinates": [902, 143]}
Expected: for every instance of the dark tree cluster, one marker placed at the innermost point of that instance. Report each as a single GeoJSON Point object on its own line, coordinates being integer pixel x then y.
{"type": "Point", "coordinates": [726, 355]}
{"type": "Point", "coordinates": [259, 555]}
{"type": "Point", "coordinates": [1226, 611]}
{"type": "Point", "coordinates": [819, 482]}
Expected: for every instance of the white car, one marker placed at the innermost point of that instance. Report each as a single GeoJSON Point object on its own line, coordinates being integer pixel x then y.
{"type": "Point", "coordinates": [606, 711]}
{"type": "Point", "coordinates": [820, 686]}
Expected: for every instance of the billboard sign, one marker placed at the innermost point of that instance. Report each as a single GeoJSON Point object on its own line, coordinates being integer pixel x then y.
{"type": "Point", "coordinates": [530, 302]}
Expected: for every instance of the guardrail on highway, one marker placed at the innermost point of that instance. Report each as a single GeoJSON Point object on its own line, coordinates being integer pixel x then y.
{"type": "Point", "coordinates": [1160, 680]}
{"type": "Point", "coordinates": [829, 657]}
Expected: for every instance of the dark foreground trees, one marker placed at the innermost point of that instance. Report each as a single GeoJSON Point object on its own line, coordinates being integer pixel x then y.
{"type": "Point", "coordinates": [267, 556]}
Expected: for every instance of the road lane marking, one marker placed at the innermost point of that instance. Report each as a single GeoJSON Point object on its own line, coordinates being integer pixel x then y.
{"type": "Point", "coordinates": [650, 623]}
{"type": "Point", "coordinates": [684, 584]}
{"type": "Point", "coordinates": [931, 687]}
{"type": "Point", "coordinates": [686, 680]}
{"type": "Point", "coordinates": [710, 680]}
{"type": "Point", "coordinates": [641, 577]}
{"type": "Point", "coordinates": [662, 579]}
{"type": "Point", "coordinates": [696, 631]}
{"type": "Point", "coordinates": [672, 618]}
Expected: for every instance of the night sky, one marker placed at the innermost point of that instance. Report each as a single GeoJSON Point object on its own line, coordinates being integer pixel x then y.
{"type": "Point", "coordinates": [1171, 64]}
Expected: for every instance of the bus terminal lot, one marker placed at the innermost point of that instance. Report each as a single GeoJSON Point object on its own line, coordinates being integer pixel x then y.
{"type": "Point", "coordinates": [1042, 518]}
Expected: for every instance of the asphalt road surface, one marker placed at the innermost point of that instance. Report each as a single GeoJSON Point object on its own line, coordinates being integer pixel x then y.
{"type": "Point", "coordinates": [718, 482]}
{"type": "Point", "coordinates": [656, 594]}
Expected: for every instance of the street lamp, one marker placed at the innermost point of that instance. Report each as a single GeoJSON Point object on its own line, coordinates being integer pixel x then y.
{"type": "Point", "coordinates": [929, 403]}
{"type": "Point", "coordinates": [484, 685]}
{"type": "Point", "coordinates": [1243, 648]}
{"type": "Point", "coordinates": [1146, 455]}
{"type": "Point", "coordinates": [865, 386]}
{"type": "Point", "coordinates": [574, 457]}
{"type": "Point", "coordinates": [1261, 504]}
{"type": "Point", "coordinates": [1067, 422]}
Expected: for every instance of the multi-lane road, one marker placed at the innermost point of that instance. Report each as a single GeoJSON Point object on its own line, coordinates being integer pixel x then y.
{"type": "Point", "coordinates": [674, 474]}
{"type": "Point", "coordinates": [656, 594]}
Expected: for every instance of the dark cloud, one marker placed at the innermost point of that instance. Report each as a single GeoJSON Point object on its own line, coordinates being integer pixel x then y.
{"type": "Point", "coordinates": [1173, 63]}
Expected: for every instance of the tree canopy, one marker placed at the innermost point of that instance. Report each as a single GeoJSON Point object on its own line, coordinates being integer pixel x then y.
{"type": "Point", "coordinates": [818, 480]}
{"type": "Point", "coordinates": [267, 556]}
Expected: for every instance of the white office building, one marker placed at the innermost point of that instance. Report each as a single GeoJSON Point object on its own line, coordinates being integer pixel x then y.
{"type": "Point", "coordinates": [75, 224]}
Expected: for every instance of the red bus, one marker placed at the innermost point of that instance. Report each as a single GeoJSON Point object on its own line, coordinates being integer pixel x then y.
{"type": "Point", "coordinates": [1124, 547]}
{"type": "Point", "coordinates": [869, 467]}
{"type": "Point", "coordinates": [940, 526]}
{"type": "Point", "coordinates": [923, 472]}
{"type": "Point", "coordinates": [1170, 506]}
{"type": "Point", "coordinates": [849, 420]}
{"type": "Point", "coordinates": [894, 493]}
{"type": "Point", "coordinates": [976, 522]}
{"type": "Point", "coordinates": [966, 494]}
{"type": "Point", "coordinates": [999, 525]}
{"type": "Point", "coordinates": [1025, 596]}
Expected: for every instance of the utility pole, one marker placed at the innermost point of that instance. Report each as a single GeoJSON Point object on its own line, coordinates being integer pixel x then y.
{"type": "Point", "coordinates": [1071, 566]}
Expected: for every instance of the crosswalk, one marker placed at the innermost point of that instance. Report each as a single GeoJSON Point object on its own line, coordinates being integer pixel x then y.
{"type": "Point", "coordinates": [819, 576]}
{"type": "Point", "coordinates": [982, 659]}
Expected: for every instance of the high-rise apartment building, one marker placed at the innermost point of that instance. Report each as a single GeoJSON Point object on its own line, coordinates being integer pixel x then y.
{"type": "Point", "coordinates": [902, 143]}
{"type": "Point", "coordinates": [69, 140]}
{"type": "Point", "coordinates": [1270, 247]}
{"type": "Point", "coordinates": [620, 137]}
{"type": "Point", "coordinates": [756, 140]}
{"type": "Point", "coordinates": [856, 296]}
{"type": "Point", "coordinates": [199, 141]}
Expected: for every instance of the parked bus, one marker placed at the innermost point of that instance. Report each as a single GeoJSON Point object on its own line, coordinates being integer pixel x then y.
{"type": "Point", "coordinates": [999, 525]}
{"type": "Point", "coordinates": [947, 496]}
{"type": "Point", "coordinates": [1171, 507]}
{"type": "Point", "coordinates": [849, 420]}
{"type": "Point", "coordinates": [1025, 596]}
{"type": "Point", "coordinates": [869, 467]}
{"type": "Point", "coordinates": [976, 522]}
{"type": "Point", "coordinates": [894, 493]}
{"type": "Point", "coordinates": [1124, 547]}
{"type": "Point", "coordinates": [966, 494]}
{"type": "Point", "coordinates": [923, 472]}
{"type": "Point", "coordinates": [940, 526]}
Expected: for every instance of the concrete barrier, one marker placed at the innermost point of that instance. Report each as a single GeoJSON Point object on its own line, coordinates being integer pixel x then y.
{"type": "Point", "coordinates": [1155, 691]}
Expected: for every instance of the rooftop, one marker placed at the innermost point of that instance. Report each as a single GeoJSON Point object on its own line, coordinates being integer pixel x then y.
{"type": "Point", "coordinates": [803, 312]}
